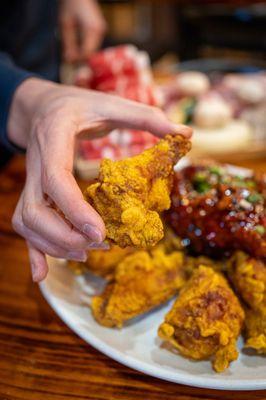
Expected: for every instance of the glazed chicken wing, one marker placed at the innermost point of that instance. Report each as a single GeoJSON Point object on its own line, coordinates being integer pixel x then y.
{"type": "Point", "coordinates": [205, 320]}
{"type": "Point", "coordinates": [141, 282]}
{"type": "Point", "coordinates": [216, 211]}
{"type": "Point", "coordinates": [130, 194]}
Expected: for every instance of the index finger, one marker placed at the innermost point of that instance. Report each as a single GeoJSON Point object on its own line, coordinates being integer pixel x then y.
{"type": "Point", "coordinates": [123, 113]}
{"type": "Point", "coordinates": [59, 183]}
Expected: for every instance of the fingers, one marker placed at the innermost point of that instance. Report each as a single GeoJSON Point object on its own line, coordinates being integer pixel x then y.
{"type": "Point", "coordinates": [43, 244]}
{"type": "Point", "coordinates": [45, 221]}
{"type": "Point", "coordinates": [39, 245]}
{"type": "Point", "coordinates": [129, 114]}
{"type": "Point", "coordinates": [93, 28]}
{"type": "Point", "coordinates": [38, 263]}
{"type": "Point", "coordinates": [91, 41]}
{"type": "Point", "coordinates": [62, 188]}
{"type": "Point", "coordinates": [59, 184]}
{"type": "Point", "coordinates": [69, 39]}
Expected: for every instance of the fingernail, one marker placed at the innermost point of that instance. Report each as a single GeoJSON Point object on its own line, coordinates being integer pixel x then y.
{"type": "Point", "coordinates": [93, 233]}
{"type": "Point", "coordinates": [182, 130]}
{"type": "Point", "coordinates": [77, 256]}
{"type": "Point", "coordinates": [98, 246]}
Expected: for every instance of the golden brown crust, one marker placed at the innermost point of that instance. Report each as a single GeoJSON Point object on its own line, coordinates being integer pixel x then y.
{"type": "Point", "coordinates": [205, 320]}
{"type": "Point", "coordinates": [101, 262]}
{"type": "Point", "coordinates": [141, 282]}
{"type": "Point", "coordinates": [130, 194]}
{"type": "Point", "coordinates": [248, 276]}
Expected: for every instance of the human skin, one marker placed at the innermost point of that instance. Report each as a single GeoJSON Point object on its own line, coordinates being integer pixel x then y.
{"type": "Point", "coordinates": [82, 27]}
{"type": "Point", "coordinates": [46, 118]}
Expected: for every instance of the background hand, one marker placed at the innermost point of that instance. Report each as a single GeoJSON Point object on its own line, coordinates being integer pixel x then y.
{"type": "Point", "coordinates": [82, 28]}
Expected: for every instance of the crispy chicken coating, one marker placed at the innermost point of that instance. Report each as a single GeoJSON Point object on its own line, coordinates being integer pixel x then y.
{"type": "Point", "coordinates": [130, 194]}
{"type": "Point", "coordinates": [248, 276]}
{"type": "Point", "coordinates": [205, 320]}
{"type": "Point", "coordinates": [142, 281]}
{"type": "Point", "coordinates": [193, 263]}
{"type": "Point", "coordinates": [102, 262]}
{"type": "Point", "coordinates": [255, 329]}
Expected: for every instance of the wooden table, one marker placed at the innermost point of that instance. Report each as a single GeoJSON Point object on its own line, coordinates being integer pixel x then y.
{"type": "Point", "coordinates": [40, 357]}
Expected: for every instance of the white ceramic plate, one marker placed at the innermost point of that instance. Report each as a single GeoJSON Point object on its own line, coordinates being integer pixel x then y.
{"type": "Point", "coordinates": [137, 344]}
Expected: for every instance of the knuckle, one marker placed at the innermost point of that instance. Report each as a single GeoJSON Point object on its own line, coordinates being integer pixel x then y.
{"type": "Point", "coordinates": [73, 242]}
{"type": "Point", "coordinates": [49, 181]}
{"type": "Point", "coordinates": [156, 112]}
{"type": "Point", "coordinates": [29, 214]}
{"type": "Point", "coordinates": [16, 223]}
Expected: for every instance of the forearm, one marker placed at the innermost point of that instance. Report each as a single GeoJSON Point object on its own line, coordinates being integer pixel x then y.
{"type": "Point", "coordinates": [25, 101]}
{"type": "Point", "coordinates": [10, 78]}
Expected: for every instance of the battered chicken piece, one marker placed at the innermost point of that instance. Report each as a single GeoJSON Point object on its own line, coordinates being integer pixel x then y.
{"type": "Point", "coordinates": [193, 263]}
{"type": "Point", "coordinates": [102, 262]}
{"type": "Point", "coordinates": [205, 320]}
{"type": "Point", "coordinates": [248, 276]}
{"type": "Point", "coordinates": [142, 281]}
{"type": "Point", "coordinates": [255, 330]}
{"type": "Point", "coordinates": [130, 194]}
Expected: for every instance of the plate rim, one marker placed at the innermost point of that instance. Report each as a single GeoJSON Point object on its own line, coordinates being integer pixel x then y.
{"type": "Point", "coordinates": [142, 366]}
{"type": "Point", "coordinates": [146, 368]}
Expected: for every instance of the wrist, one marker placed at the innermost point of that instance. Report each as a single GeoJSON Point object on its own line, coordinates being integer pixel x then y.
{"type": "Point", "coordinates": [25, 103]}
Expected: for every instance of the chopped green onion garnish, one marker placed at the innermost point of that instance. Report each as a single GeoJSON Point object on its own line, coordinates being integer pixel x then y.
{"type": "Point", "coordinates": [255, 197]}
{"type": "Point", "coordinates": [199, 177]}
{"type": "Point", "coordinates": [242, 183]}
{"type": "Point", "coordinates": [260, 229]}
{"type": "Point", "coordinates": [214, 169]}
{"type": "Point", "coordinates": [202, 187]}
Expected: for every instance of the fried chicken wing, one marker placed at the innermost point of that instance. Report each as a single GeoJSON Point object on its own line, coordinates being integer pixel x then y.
{"type": "Point", "coordinates": [205, 320]}
{"type": "Point", "coordinates": [255, 330]}
{"type": "Point", "coordinates": [102, 262]}
{"type": "Point", "coordinates": [142, 281]}
{"type": "Point", "coordinates": [248, 276]}
{"type": "Point", "coordinates": [130, 194]}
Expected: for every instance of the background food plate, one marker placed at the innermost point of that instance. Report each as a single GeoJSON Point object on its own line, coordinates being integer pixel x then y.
{"type": "Point", "coordinates": [137, 345]}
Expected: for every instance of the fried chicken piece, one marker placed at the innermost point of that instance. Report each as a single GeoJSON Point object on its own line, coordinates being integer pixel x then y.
{"type": "Point", "coordinates": [193, 263]}
{"type": "Point", "coordinates": [130, 193]}
{"type": "Point", "coordinates": [102, 262]}
{"type": "Point", "coordinates": [255, 329]}
{"type": "Point", "coordinates": [205, 320]}
{"type": "Point", "coordinates": [248, 276]}
{"type": "Point", "coordinates": [142, 281]}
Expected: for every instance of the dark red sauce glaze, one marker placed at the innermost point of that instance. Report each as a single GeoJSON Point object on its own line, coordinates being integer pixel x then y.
{"type": "Point", "coordinates": [216, 213]}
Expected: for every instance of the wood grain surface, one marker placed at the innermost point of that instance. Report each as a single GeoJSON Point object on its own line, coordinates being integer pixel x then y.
{"type": "Point", "coordinates": [40, 357]}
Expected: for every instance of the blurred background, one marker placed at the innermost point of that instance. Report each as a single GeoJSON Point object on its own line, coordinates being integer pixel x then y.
{"type": "Point", "coordinates": [190, 29]}
{"type": "Point", "coordinates": [203, 62]}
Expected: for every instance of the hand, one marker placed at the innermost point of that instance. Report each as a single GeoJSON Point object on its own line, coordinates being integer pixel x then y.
{"type": "Point", "coordinates": [82, 28]}
{"type": "Point", "coordinates": [47, 118]}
